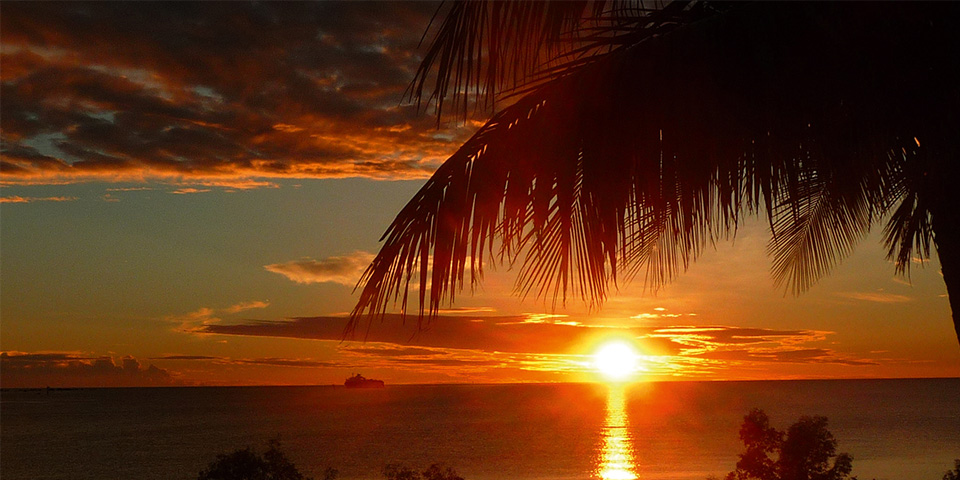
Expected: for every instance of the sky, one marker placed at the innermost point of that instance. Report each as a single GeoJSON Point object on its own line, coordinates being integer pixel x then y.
{"type": "Point", "coordinates": [190, 192]}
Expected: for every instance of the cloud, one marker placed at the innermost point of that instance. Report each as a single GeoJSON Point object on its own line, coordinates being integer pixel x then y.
{"type": "Point", "coordinates": [659, 314]}
{"type": "Point", "coordinates": [193, 320]}
{"type": "Point", "coordinates": [270, 361]}
{"type": "Point", "coordinates": [244, 306]}
{"type": "Point", "coordinates": [712, 336]}
{"type": "Point", "coordinates": [185, 357]}
{"type": "Point", "coordinates": [740, 345]}
{"type": "Point", "coordinates": [285, 362]}
{"type": "Point", "coordinates": [375, 356]}
{"type": "Point", "coordinates": [459, 310]}
{"type": "Point", "coordinates": [59, 369]}
{"type": "Point", "coordinates": [129, 189]}
{"type": "Point", "coordinates": [214, 93]}
{"type": "Point", "coordinates": [665, 347]}
{"type": "Point", "coordinates": [876, 297]}
{"type": "Point", "coordinates": [502, 333]}
{"type": "Point", "coordinates": [345, 269]}
{"type": "Point", "coordinates": [189, 190]}
{"type": "Point", "coordinates": [235, 183]}
{"type": "Point", "coordinates": [451, 361]}
{"type": "Point", "coordinates": [498, 348]}
{"type": "Point", "coordinates": [206, 315]}
{"type": "Point", "coordinates": [391, 351]}
{"type": "Point", "coordinates": [804, 355]}
{"type": "Point", "coordinates": [19, 199]}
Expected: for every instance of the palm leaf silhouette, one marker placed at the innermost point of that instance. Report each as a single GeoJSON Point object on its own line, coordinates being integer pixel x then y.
{"type": "Point", "coordinates": [638, 135]}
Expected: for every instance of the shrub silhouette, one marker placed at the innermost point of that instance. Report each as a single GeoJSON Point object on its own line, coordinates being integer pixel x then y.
{"type": "Point", "coordinates": [955, 473]}
{"type": "Point", "coordinates": [246, 464]}
{"type": "Point", "coordinates": [437, 471]}
{"type": "Point", "coordinates": [803, 452]}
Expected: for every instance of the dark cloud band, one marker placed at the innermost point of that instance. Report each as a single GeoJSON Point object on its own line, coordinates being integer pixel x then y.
{"type": "Point", "coordinates": [530, 335]}
{"type": "Point", "coordinates": [111, 91]}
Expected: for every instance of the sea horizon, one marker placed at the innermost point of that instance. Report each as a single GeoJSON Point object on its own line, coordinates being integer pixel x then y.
{"type": "Point", "coordinates": [625, 383]}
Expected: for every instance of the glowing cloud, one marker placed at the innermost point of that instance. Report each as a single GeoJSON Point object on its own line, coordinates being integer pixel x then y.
{"type": "Point", "coordinates": [240, 307]}
{"type": "Point", "coordinates": [344, 269]}
{"type": "Point", "coordinates": [876, 297]}
{"type": "Point", "coordinates": [19, 199]}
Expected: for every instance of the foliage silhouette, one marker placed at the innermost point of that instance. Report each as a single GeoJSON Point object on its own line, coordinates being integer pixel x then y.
{"type": "Point", "coordinates": [955, 473]}
{"type": "Point", "coordinates": [246, 464]}
{"type": "Point", "coordinates": [639, 133]}
{"type": "Point", "coordinates": [437, 471]}
{"type": "Point", "coordinates": [803, 452]}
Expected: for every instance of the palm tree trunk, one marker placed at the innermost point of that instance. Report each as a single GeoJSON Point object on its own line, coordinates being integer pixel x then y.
{"type": "Point", "coordinates": [946, 237]}
{"type": "Point", "coordinates": [941, 178]}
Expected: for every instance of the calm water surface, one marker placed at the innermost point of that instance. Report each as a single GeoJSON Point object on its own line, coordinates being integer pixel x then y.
{"type": "Point", "coordinates": [895, 429]}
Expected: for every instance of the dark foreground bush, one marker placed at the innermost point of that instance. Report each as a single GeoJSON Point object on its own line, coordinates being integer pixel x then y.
{"type": "Point", "coordinates": [803, 453]}
{"type": "Point", "coordinates": [955, 473]}
{"type": "Point", "coordinates": [437, 471]}
{"type": "Point", "coordinates": [246, 464]}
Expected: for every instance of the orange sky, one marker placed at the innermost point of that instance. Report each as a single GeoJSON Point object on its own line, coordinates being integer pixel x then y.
{"type": "Point", "coordinates": [191, 203]}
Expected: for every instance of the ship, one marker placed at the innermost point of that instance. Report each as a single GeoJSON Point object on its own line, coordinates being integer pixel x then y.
{"type": "Point", "coordinates": [358, 381]}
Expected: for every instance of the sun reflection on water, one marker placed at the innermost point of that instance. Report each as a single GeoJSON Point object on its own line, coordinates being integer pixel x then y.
{"type": "Point", "coordinates": [615, 460]}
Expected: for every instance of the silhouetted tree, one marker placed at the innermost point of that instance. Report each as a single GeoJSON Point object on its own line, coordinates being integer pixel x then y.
{"type": "Point", "coordinates": [246, 464]}
{"type": "Point", "coordinates": [807, 450]}
{"type": "Point", "coordinates": [803, 452]}
{"type": "Point", "coordinates": [437, 471]}
{"type": "Point", "coordinates": [955, 473]}
{"type": "Point", "coordinates": [761, 440]}
{"type": "Point", "coordinates": [640, 132]}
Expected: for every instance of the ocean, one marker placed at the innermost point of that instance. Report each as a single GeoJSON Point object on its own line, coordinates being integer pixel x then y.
{"type": "Point", "coordinates": [894, 429]}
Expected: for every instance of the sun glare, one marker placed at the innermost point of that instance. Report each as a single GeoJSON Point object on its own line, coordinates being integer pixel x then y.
{"type": "Point", "coordinates": [616, 360]}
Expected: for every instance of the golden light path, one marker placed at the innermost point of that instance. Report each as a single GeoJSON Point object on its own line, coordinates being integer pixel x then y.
{"type": "Point", "coordinates": [616, 459]}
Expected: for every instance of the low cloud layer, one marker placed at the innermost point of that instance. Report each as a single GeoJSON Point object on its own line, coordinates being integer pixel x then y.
{"type": "Point", "coordinates": [802, 355]}
{"type": "Point", "coordinates": [213, 93]}
{"type": "Point", "coordinates": [20, 199]}
{"type": "Point", "coordinates": [38, 370]}
{"type": "Point", "coordinates": [271, 361]}
{"type": "Point", "coordinates": [345, 269]}
{"type": "Point", "coordinates": [706, 347]}
{"type": "Point", "coordinates": [875, 297]}
{"type": "Point", "coordinates": [451, 348]}
{"type": "Point", "coordinates": [439, 363]}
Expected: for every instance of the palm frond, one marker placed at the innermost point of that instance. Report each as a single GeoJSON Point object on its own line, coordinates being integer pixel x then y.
{"type": "Point", "coordinates": [630, 163]}
{"type": "Point", "coordinates": [818, 224]}
{"type": "Point", "coordinates": [909, 230]}
{"type": "Point", "coordinates": [839, 180]}
{"type": "Point", "coordinates": [486, 48]}
{"type": "Point", "coordinates": [563, 185]}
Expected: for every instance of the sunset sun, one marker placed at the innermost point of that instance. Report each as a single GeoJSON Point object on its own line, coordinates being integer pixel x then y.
{"type": "Point", "coordinates": [616, 360]}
